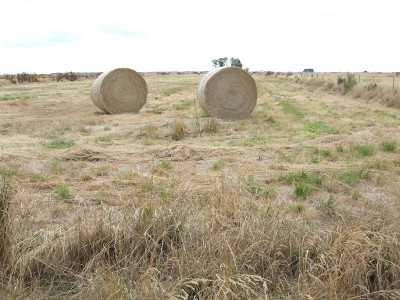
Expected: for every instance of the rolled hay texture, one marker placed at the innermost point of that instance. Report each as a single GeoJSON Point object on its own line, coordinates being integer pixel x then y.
{"type": "Point", "coordinates": [227, 93]}
{"type": "Point", "coordinates": [119, 91]}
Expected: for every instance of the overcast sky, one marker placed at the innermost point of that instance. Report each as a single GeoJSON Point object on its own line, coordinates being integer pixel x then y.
{"type": "Point", "coordinates": [46, 36]}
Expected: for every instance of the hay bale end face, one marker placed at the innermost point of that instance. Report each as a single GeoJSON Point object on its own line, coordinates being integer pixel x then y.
{"type": "Point", "coordinates": [227, 93]}
{"type": "Point", "coordinates": [119, 91]}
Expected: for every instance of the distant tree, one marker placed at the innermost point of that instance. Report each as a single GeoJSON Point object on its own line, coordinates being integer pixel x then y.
{"type": "Point", "coordinates": [223, 61]}
{"type": "Point", "coordinates": [220, 62]}
{"type": "Point", "coordinates": [235, 62]}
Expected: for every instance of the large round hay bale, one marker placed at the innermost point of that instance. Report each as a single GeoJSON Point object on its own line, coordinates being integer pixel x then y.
{"type": "Point", "coordinates": [119, 91]}
{"type": "Point", "coordinates": [227, 93]}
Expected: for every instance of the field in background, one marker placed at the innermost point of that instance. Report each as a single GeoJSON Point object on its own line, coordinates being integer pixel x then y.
{"type": "Point", "coordinates": [299, 201]}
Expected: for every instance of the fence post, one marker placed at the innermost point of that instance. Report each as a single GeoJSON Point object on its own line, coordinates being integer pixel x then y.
{"type": "Point", "coordinates": [393, 84]}
{"type": "Point", "coordinates": [373, 79]}
{"type": "Point", "coordinates": [359, 78]}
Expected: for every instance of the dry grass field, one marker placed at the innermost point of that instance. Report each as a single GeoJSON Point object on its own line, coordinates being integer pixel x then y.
{"type": "Point", "coordinates": [299, 201]}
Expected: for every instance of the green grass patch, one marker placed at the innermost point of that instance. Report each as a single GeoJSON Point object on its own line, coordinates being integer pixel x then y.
{"type": "Point", "coordinates": [304, 183]}
{"type": "Point", "coordinates": [59, 144]}
{"type": "Point", "coordinates": [303, 177]}
{"type": "Point", "coordinates": [186, 104]}
{"type": "Point", "coordinates": [171, 91]}
{"type": "Point", "coordinates": [364, 150]}
{"type": "Point", "coordinates": [217, 166]}
{"type": "Point", "coordinates": [251, 141]}
{"type": "Point", "coordinates": [353, 176]}
{"type": "Point", "coordinates": [165, 165]}
{"type": "Point", "coordinates": [340, 149]}
{"type": "Point", "coordinates": [270, 192]}
{"type": "Point", "coordinates": [302, 190]}
{"type": "Point", "coordinates": [385, 114]}
{"type": "Point", "coordinates": [389, 146]}
{"type": "Point", "coordinates": [326, 153]}
{"type": "Point", "coordinates": [289, 107]}
{"type": "Point", "coordinates": [9, 97]}
{"type": "Point", "coordinates": [63, 191]}
{"type": "Point", "coordinates": [270, 120]}
{"type": "Point", "coordinates": [157, 111]}
{"type": "Point", "coordinates": [130, 175]}
{"type": "Point", "coordinates": [315, 160]}
{"type": "Point", "coordinates": [299, 208]}
{"type": "Point", "coordinates": [39, 177]}
{"type": "Point", "coordinates": [320, 127]}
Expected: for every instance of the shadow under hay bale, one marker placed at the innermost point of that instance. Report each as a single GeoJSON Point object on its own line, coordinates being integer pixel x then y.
{"type": "Point", "coordinates": [227, 93]}
{"type": "Point", "coordinates": [119, 91]}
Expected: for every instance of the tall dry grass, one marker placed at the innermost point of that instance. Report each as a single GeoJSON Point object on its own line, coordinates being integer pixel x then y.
{"type": "Point", "coordinates": [5, 223]}
{"type": "Point", "coordinates": [372, 92]}
{"type": "Point", "coordinates": [219, 243]}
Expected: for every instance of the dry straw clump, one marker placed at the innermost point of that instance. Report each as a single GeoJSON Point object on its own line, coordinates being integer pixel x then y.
{"type": "Point", "coordinates": [119, 91]}
{"type": "Point", "coordinates": [227, 93]}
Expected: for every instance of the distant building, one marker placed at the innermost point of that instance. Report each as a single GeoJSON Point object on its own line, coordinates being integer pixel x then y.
{"type": "Point", "coordinates": [308, 70]}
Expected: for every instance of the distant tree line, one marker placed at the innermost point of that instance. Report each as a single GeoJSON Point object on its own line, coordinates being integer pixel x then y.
{"type": "Point", "coordinates": [27, 77]}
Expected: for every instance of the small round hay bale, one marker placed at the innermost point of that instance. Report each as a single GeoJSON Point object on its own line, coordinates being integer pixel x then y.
{"type": "Point", "coordinates": [227, 93]}
{"type": "Point", "coordinates": [119, 91]}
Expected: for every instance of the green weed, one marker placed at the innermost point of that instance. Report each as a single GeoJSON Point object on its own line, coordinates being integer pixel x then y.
{"type": "Point", "coordinates": [63, 191]}
{"type": "Point", "coordinates": [303, 177]}
{"type": "Point", "coordinates": [340, 149]}
{"type": "Point", "coordinates": [186, 104]}
{"type": "Point", "coordinates": [364, 150]}
{"type": "Point", "coordinates": [315, 160]}
{"type": "Point", "coordinates": [270, 192]}
{"type": "Point", "coordinates": [165, 165]}
{"type": "Point", "coordinates": [320, 127]}
{"type": "Point", "coordinates": [270, 120]}
{"type": "Point", "coordinates": [351, 177]}
{"type": "Point", "coordinates": [130, 175]}
{"type": "Point", "coordinates": [302, 190]}
{"type": "Point", "coordinates": [217, 166]}
{"type": "Point", "coordinates": [299, 208]}
{"type": "Point", "coordinates": [39, 177]}
{"type": "Point", "coordinates": [157, 111]}
{"type": "Point", "coordinates": [289, 107]}
{"type": "Point", "coordinates": [170, 91]}
{"type": "Point", "coordinates": [326, 153]}
{"type": "Point", "coordinates": [388, 146]}
{"type": "Point", "coordinates": [59, 144]}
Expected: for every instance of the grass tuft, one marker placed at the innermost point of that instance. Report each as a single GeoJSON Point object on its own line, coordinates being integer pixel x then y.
{"type": "Point", "coordinates": [5, 222]}
{"type": "Point", "coordinates": [59, 144]}
{"type": "Point", "coordinates": [210, 126]}
{"type": "Point", "coordinates": [63, 191]}
{"type": "Point", "coordinates": [177, 130]}
{"type": "Point", "coordinates": [389, 146]}
{"type": "Point", "coordinates": [217, 166]}
{"type": "Point", "coordinates": [364, 150]}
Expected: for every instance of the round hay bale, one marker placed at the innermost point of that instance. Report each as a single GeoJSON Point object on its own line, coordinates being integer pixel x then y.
{"type": "Point", "coordinates": [227, 93]}
{"type": "Point", "coordinates": [119, 91]}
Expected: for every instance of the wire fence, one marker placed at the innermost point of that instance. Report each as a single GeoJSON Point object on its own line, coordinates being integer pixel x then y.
{"type": "Point", "coordinates": [388, 80]}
